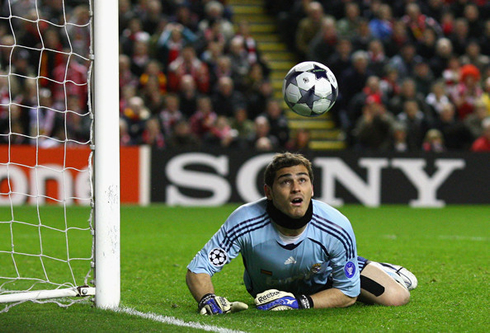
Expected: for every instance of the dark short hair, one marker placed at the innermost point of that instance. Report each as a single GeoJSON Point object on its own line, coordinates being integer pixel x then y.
{"type": "Point", "coordinates": [285, 160]}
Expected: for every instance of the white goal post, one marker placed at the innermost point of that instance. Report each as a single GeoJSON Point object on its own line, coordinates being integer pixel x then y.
{"type": "Point", "coordinates": [107, 181]}
{"type": "Point", "coordinates": [101, 172]}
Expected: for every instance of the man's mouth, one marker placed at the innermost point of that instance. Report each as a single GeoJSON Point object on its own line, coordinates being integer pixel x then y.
{"type": "Point", "coordinates": [297, 201]}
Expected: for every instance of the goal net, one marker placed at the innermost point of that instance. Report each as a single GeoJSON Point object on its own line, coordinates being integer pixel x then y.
{"type": "Point", "coordinates": [50, 211]}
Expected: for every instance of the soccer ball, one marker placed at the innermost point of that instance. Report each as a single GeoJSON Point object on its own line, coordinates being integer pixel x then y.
{"type": "Point", "coordinates": [310, 89]}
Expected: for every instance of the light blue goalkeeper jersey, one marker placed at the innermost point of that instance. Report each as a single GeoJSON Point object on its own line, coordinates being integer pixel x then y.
{"type": "Point", "coordinates": [324, 256]}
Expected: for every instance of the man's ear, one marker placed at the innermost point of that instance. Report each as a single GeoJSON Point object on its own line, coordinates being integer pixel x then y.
{"type": "Point", "coordinates": [268, 192]}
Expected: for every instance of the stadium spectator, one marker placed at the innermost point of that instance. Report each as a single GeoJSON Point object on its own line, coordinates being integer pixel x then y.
{"type": "Point", "coordinates": [240, 64]}
{"type": "Point", "coordinates": [322, 46]}
{"type": "Point", "coordinates": [77, 31]}
{"type": "Point", "coordinates": [227, 98]}
{"type": "Point", "coordinates": [405, 61]}
{"type": "Point", "coordinates": [288, 223]}
{"type": "Point", "coordinates": [423, 77]}
{"type": "Point", "coordinates": [459, 37]}
{"type": "Point", "coordinates": [467, 91]}
{"type": "Point", "coordinates": [188, 95]}
{"type": "Point", "coordinates": [171, 41]}
{"type": "Point", "coordinates": [373, 130]}
{"type": "Point", "coordinates": [277, 121]}
{"type": "Point", "coordinates": [262, 139]}
{"type": "Point", "coordinates": [250, 44]}
{"type": "Point", "coordinates": [416, 123]}
{"type": "Point", "coordinates": [389, 83]}
{"type": "Point", "coordinates": [399, 37]}
{"type": "Point", "coordinates": [378, 60]}
{"type": "Point", "coordinates": [152, 134]}
{"type": "Point", "coordinates": [212, 33]}
{"type": "Point", "coordinates": [153, 86]}
{"type": "Point", "coordinates": [456, 135]}
{"type": "Point", "coordinates": [183, 137]}
{"type": "Point", "coordinates": [381, 25]}
{"type": "Point", "coordinates": [134, 121]}
{"type": "Point", "coordinates": [258, 90]}
{"type": "Point", "coordinates": [130, 35]}
{"type": "Point", "coordinates": [408, 91]}
{"type": "Point", "coordinates": [434, 141]}
{"type": "Point", "coordinates": [475, 21]}
{"type": "Point", "coordinates": [348, 25]}
{"type": "Point", "coordinates": [363, 36]}
{"type": "Point", "coordinates": [221, 134]}
{"type": "Point", "coordinates": [126, 76]}
{"type": "Point", "coordinates": [243, 126]}
{"type": "Point", "coordinates": [170, 115]}
{"type": "Point", "coordinates": [474, 121]}
{"type": "Point", "coordinates": [204, 117]}
{"type": "Point", "coordinates": [152, 95]}
{"type": "Point", "coordinates": [483, 142]}
{"type": "Point", "coordinates": [340, 60]}
{"type": "Point", "coordinates": [353, 79]}
{"type": "Point", "coordinates": [474, 57]}
{"type": "Point", "coordinates": [152, 14]}
{"type": "Point", "coordinates": [215, 12]}
{"type": "Point", "coordinates": [357, 102]}
{"type": "Point", "coordinates": [300, 141]}
{"type": "Point", "coordinates": [140, 56]}
{"type": "Point", "coordinates": [308, 28]}
{"type": "Point", "coordinates": [399, 140]}
{"type": "Point", "coordinates": [188, 63]}
{"type": "Point", "coordinates": [426, 46]}
{"type": "Point", "coordinates": [485, 97]}
{"type": "Point", "coordinates": [71, 79]}
{"type": "Point", "coordinates": [444, 51]}
{"type": "Point", "coordinates": [417, 22]}
{"type": "Point", "coordinates": [437, 97]}
{"type": "Point", "coordinates": [211, 55]}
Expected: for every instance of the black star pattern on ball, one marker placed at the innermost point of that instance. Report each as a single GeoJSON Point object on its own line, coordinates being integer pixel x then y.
{"type": "Point", "coordinates": [319, 72]}
{"type": "Point", "coordinates": [308, 97]}
{"type": "Point", "coordinates": [293, 77]}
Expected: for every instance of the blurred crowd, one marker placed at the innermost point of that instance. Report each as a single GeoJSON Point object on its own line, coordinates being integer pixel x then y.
{"type": "Point", "coordinates": [413, 75]}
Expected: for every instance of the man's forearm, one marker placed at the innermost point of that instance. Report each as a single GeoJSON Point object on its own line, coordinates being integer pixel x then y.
{"type": "Point", "coordinates": [332, 298]}
{"type": "Point", "coordinates": [199, 284]}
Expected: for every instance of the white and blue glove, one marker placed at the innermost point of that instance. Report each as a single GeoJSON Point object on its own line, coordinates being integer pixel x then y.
{"type": "Point", "coordinates": [210, 304]}
{"type": "Point", "coordinates": [276, 300]}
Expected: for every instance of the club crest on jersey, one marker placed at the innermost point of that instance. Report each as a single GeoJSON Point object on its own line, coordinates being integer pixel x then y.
{"type": "Point", "coordinates": [217, 257]}
{"type": "Point", "coordinates": [316, 268]}
{"type": "Point", "coordinates": [350, 269]}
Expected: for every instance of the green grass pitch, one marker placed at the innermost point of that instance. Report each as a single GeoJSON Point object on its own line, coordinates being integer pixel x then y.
{"type": "Point", "coordinates": [447, 249]}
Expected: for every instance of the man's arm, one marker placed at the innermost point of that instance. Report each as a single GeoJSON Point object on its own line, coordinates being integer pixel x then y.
{"type": "Point", "coordinates": [276, 300]}
{"type": "Point", "coordinates": [201, 288]}
{"type": "Point", "coordinates": [199, 284]}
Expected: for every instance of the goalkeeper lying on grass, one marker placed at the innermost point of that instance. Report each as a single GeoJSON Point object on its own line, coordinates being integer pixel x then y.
{"type": "Point", "coordinates": [298, 252]}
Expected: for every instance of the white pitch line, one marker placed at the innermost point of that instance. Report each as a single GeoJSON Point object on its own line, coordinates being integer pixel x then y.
{"type": "Point", "coordinates": [175, 321]}
{"type": "Point", "coordinates": [470, 238]}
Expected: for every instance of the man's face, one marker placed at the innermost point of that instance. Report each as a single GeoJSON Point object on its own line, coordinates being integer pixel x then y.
{"type": "Point", "coordinates": [291, 191]}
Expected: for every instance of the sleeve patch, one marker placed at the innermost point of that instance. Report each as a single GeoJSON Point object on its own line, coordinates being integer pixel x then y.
{"type": "Point", "coordinates": [217, 257]}
{"type": "Point", "coordinates": [350, 269]}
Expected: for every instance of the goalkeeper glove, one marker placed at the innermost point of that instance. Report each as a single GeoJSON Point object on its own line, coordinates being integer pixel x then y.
{"type": "Point", "coordinates": [275, 300]}
{"type": "Point", "coordinates": [210, 304]}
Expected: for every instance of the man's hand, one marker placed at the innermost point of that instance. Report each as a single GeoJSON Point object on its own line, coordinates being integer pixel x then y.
{"type": "Point", "coordinates": [275, 300]}
{"type": "Point", "coordinates": [210, 304]}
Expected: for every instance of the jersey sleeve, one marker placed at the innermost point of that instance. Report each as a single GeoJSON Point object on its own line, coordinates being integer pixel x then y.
{"type": "Point", "coordinates": [345, 268]}
{"type": "Point", "coordinates": [342, 250]}
{"type": "Point", "coordinates": [218, 251]}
